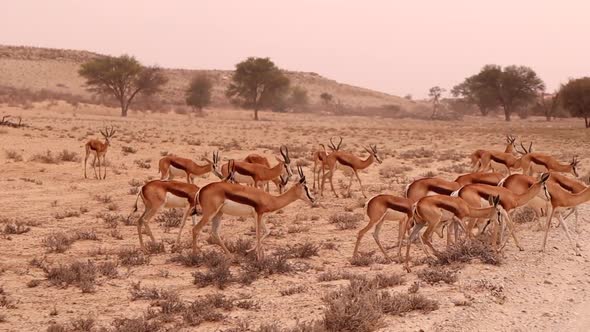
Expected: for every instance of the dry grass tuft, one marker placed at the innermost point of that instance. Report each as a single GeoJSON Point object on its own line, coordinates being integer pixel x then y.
{"type": "Point", "coordinates": [13, 155]}
{"type": "Point", "coordinates": [346, 220]}
{"type": "Point", "coordinates": [170, 218]}
{"type": "Point", "coordinates": [436, 274]}
{"type": "Point", "coordinates": [523, 215]}
{"type": "Point", "coordinates": [465, 252]}
{"type": "Point", "coordinates": [299, 250]}
{"type": "Point", "coordinates": [399, 303]}
{"type": "Point", "coordinates": [218, 275]}
{"type": "Point", "coordinates": [132, 257]}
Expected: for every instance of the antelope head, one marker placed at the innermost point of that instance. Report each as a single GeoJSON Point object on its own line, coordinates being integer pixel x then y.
{"type": "Point", "coordinates": [524, 149]}
{"type": "Point", "coordinates": [286, 160]}
{"type": "Point", "coordinates": [372, 149]}
{"type": "Point", "coordinates": [335, 147]}
{"type": "Point", "coordinates": [511, 140]}
{"type": "Point", "coordinates": [303, 192]}
{"type": "Point", "coordinates": [108, 133]}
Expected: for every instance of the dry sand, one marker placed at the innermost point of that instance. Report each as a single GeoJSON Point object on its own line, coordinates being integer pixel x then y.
{"type": "Point", "coordinates": [533, 291]}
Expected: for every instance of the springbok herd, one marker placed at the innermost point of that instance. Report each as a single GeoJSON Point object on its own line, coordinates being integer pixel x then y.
{"type": "Point", "coordinates": [486, 198]}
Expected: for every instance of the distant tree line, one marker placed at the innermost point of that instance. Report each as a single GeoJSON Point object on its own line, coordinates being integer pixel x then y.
{"type": "Point", "coordinates": [257, 83]}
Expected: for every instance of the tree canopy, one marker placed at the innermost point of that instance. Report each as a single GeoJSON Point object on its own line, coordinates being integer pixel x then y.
{"type": "Point", "coordinates": [575, 97]}
{"type": "Point", "coordinates": [198, 94]}
{"type": "Point", "coordinates": [121, 77]}
{"type": "Point", "coordinates": [258, 83]}
{"type": "Point", "coordinates": [509, 87]}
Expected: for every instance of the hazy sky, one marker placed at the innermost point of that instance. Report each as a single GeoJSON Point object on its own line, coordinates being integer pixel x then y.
{"type": "Point", "coordinates": [398, 47]}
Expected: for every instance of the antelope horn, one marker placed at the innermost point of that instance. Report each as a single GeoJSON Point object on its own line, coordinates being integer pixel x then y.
{"type": "Point", "coordinates": [530, 148]}
{"type": "Point", "coordinates": [339, 143]}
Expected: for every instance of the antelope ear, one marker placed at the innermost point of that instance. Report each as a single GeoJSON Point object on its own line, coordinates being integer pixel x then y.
{"type": "Point", "coordinates": [544, 177]}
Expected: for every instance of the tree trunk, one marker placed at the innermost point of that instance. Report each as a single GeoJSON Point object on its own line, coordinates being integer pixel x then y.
{"type": "Point", "coordinates": [124, 107]}
{"type": "Point", "coordinates": [587, 121]}
{"type": "Point", "coordinates": [507, 113]}
{"type": "Point", "coordinates": [256, 113]}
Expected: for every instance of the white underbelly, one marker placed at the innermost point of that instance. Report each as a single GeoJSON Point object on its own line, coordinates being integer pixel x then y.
{"type": "Point", "coordinates": [173, 201]}
{"type": "Point", "coordinates": [237, 209]}
{"type": "Point", "coordinates": [174, 172]}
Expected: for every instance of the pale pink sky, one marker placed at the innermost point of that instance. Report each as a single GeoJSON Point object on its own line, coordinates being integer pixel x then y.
{"type": "Point", "coordinates": [392, 46]}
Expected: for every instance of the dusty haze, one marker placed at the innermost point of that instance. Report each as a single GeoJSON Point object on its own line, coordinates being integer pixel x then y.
{"type": "Point", "coordinates": [395, 47]}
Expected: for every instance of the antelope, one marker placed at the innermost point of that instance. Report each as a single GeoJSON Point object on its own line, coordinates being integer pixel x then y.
{"type": "Point", "coordinates": [492, 178]}
{"type": "Point", "coordinates": [423, 187]}
{"type": "Point", "coordinates": [560, 199]}
{"type": "Point", "coordinates": [218, 198]}
{"type": "Point", "coordinates": [385, 207]}
{"type": "Point", "coordinates": [519, 183]}
{"type": "Point", "coordinates": [548, 162]}
{"type": "Point", "coordinates": [476, 156]}
{"type": "Point", "coordinates": [254, 158]}
{"type": "Point", "coordinates": [319, 159]}
{"type": "Point", "coordinates": [352, 161]}
{"type": "Point", "coordinates": [174, 166]}
{"type": "Point", "coordinates": [255, 174]}
{"type": "Point", "coordinates": [508, 160]}
{"type": "Point", "coordinates": [431, 211]}
{"type": "Point", "coordinates": [99, 150]}
{"type": "Point", "coordinates": [158, 194]}
{"type": "Point", "coordinates": [473, 194]}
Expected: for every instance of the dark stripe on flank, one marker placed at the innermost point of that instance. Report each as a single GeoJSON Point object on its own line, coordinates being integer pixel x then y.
{"type": "Point", "coordinates": [439, 190]}
{"type": "Point", "coordinates": [344, 162]}
{"type": "Point", "coordinates": [243, 171]}
{"type": "Point", "coordinates": [179, 193]}
{"type": "Point", "coordinates": [177, 165]}
{"type": "Point", "coordinates": [397, 207]}
{"type": "Point", "coordinates": [498, 160]}
{"type": "Point", "coordinates": [538, 161]}
{"type": "Point", "coordinates": [241, 199]}
{"type": "Point", "coordinates": [448, 207]}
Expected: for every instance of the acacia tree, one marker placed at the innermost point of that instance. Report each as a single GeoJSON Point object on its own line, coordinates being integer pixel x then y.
{"type": "Point", "coordinates": [509, 87]}
{"type": "Point", "coordinates": [548, 104]}
{"type": "Point", "coordinates": [326, 98]}
{"type": "Point", "coordinates": [298, 97]}
{"type": "Point", "coordinates": [474, 92]}
{"type": "Point", "coordinates": [435, 93]}
{"type": "Point", "coordinates": [257, 83]}
{"type": "Point", "coordinates": [575, 97]}
{"type": "Point", "coordinates": [121, 77]}
{"type": "Point", "coordinates": [198, 94]}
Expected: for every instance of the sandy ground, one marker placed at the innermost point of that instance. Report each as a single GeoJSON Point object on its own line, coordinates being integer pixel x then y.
{"type": "Point", "coordinates": [534, 291]}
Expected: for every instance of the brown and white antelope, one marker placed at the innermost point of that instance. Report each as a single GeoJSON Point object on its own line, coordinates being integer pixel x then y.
{"type": "Point", "coordinates": [254, 158]}
{"type": "Point", "coordinates": [174, 166]}
{"type": "Point", "coordinates": [490, 178]}
{"type": "Point", "coordinates": [474, 194]}
{"type": "Point", "coordinates": [353, 162]}
{"type": "Point", "coordinates": [431, 211]}
{"type": "Point", "coordinates": [508, 160]}
{"type": "Point", "coordinates": [99, 150]}
{"type": "Point", "coordinates": [385, 207]}
{"type": "Point", "coordinates": [532, 161]}
{"type": "Point", "coordinates": [561, 199]}
{"type": "Point", "coordinates": [257, 174]}
{"type": "Point", "coordinates": [219, 198]}
{"type": "Point", "coordinates": [519, 184]}
{"type": "Point", "coordinates": [158, 194]}
{"type": "Point", "coordinates": [476, 164]}
{"type": "Point", "coordinates": [319, 159]}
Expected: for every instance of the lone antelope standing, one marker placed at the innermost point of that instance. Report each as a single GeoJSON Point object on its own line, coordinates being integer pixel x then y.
{"type": "Point", "coordinates": [476, 163]}
{"type": "Point", "coordinates": [174, 166]}
{"type": "Point", "coordinates": [353, 162]}
{"type": "Point", "coordinates": [319, 159]}
{"type": "Point", "coordinates": [219, 198]}
{"type": "Point", "coordinates": [99, 150]}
